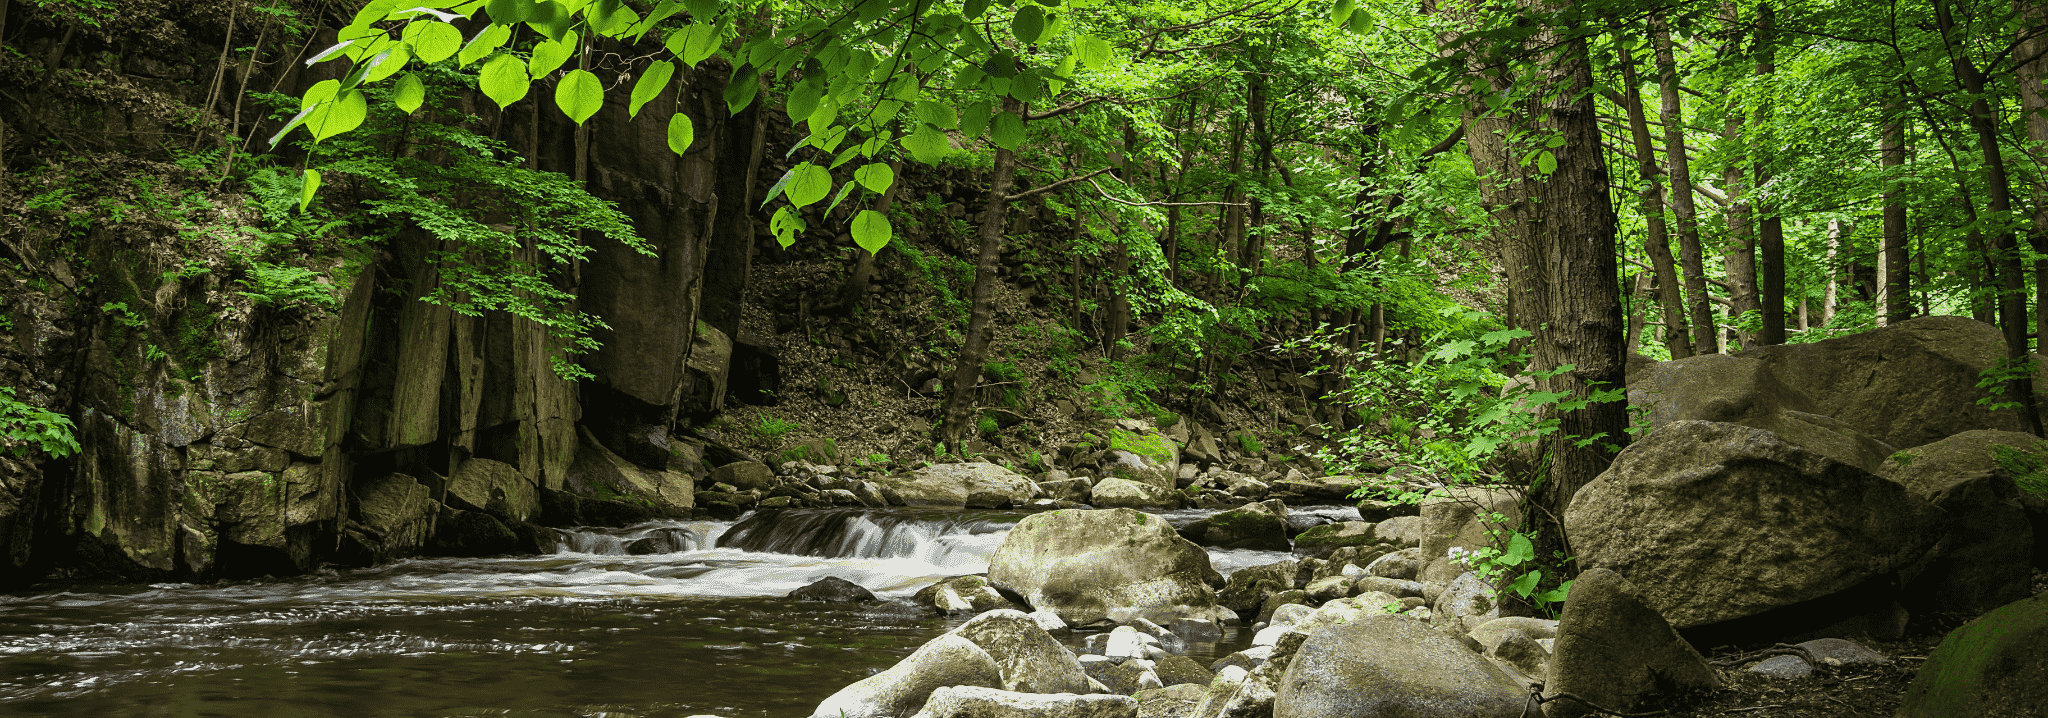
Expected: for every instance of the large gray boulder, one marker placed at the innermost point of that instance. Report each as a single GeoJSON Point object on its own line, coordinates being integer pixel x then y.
{"type": "Point", "coordinates": [1464, 518]}
{"type": "Point", "coordinates": [1128, 494]}
{"type": "Point", "coordinates": [601, 474]}
{"type": "Point", "coordinates": [1996, 665]}
{"type": "Point", "coordinates": [1117, 564]}
{"type": "Point", "coordinates": [1393, 667]}
{"type": "Point", "coordinates": [1985, 559]}
{"type": "Point", "coordinates": [1718, 522]}
{"type": "Point", "coordinates": [398, 512]}
{"type": "Point", "coordinates": [1744, 390]}
{"type": "Point", "coordinates": [1616, 651]}
{"type": "Point", "coordinates": [495, 488]}
{"type": "Point", "coordinates": [954, 486]}
{"type": "Point", "coordinates": [976, 702]}
{"type": "Point", "coordinates": [1142, 456]}
{"type": "Point", "coordinates": [1031, 660]}
{"type": "Point", "coordinates": [1252, 526]}
{"type": "Point", "coordinates": [948, 660]}
{"type": "Point", "coordinates": [1249, 588]}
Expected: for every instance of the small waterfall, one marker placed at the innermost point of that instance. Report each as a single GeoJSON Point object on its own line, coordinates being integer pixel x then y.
{"type": "Point", "coordinates": [638, 540]}
{"type": "Point", "coordinates": [857, 534]}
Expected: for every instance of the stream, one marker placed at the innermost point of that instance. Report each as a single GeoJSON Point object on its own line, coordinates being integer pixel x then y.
{"type": "Point", "coordinates": [674, 618]}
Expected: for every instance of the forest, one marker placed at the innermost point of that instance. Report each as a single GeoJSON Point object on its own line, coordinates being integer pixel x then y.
{"type": "Point", "coordinates": [267, 261]}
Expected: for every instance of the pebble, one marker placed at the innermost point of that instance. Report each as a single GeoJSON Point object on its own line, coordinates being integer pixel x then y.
{"type": "Point", "coordinates": [1783, 667]}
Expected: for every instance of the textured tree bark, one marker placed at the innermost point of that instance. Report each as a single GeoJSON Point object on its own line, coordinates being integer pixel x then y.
{"type": "Point", "coordinates": [958, 409]}
{"type": "Point", "coordinates": [1770, 228]}
{"type": "Point", "coordinates": [1738, 256]}
{"type": "Point", "coordinates": [1898, 278]}
{"type": "Point", "coordinates": [1657, 239]}
{"type": "Point", "coordinates": [2033, 70]}
{"type": "Point", "coordinates": [1684, 215]}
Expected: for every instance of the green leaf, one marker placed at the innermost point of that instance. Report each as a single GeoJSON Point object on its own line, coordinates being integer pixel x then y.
{"type": "Point", "coordinates": [809, 184]}
{"type": "Point", "coordinates": [938, 115]}
{"type": "Point", "coordinates": [548, 56]}
{"type": "Point", "coordinates": [975, 118]}
{"type": "Point", "coordinates": [506, 12]}
{"type": "Point", "coordinates": [821, 119]}
{"type": "Point", "coordinates": [803, 101]}
{"type": "Point", "coordinates": [1007, 131]}
{"type": "Point", "coordinates": [785, 225]}
{"type": "Point", "coordinates": [386, 64]}
{"type": "Point", "coordinates": [1546, 162]}
{"type": "Point", "coordinates": [1526, 584]}
{"type": "Point", "coordinates": [776, 190]}
{"type": "Point", "coordinates": [1028, 25]}
{"type": "Point", "coordinates": [840, 196]}
{"type": "Point", "coordinates": [681, 133]}
{"type": "Point", "coordinates": [974, 8]}
{"type": "Point", "coordinates": [876, 177]}
{"type": "Point", "coordinates": [1026, 86]}
{"type": "Point", "coordinates": [1555, 595]}
{"type": "Point", "coordinates": [967, 77]}
{"type": "Point", "coordinates": [432, 41]}
{"type": "Point", "coordinates": [1453, 351]}
{"type": "Point", "coordinates": [1520, 551]}
{"type": "Point", "coordinates": [699, 42]}
{"type": "Point", "coordinates": [504, 80]}
{"type": "Point", "coordinates": [409, 93]}
{"type": "Point", "coordinates": [871, 230]}
{"type": "Point", "coordinates": [552, 20]}
{"type": "Point", "coordinates": [321, 91]}
{"type": "Point", "coordinates": [1361, 22]}
{"type": "Point", "coordinates": [481, 46]}
{"type": "Point", "coordinates": [650, 85]}
{"type": "Point", "coordinates": [927, 145]}
{"type": "Point", "coordinates": [580, 94]}
{"type": "Point", "coordinates": [702, 10]}
{"type": "Point", "coordinates": [741, 88]}
{"type": "Point", "coordinates": [1093, 51]}
{"type": "Point", "coordinates": [345, 112]}
{"type": "Point", "coordinates": [1341, 12]}
{"type": "Point", "coordinates": [307, 188]}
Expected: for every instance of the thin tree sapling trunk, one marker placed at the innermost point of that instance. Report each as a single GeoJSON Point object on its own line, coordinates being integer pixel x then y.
{"type": "Point", "coordinates": [1684, 214]}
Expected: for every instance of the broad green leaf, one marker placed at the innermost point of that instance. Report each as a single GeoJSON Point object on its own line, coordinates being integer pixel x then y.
{"type": "Point", "coordinates": [776, 190]}
{"type": "Point", "coordinates": [1028, 25]}
{"type": "Point", "coordinates": [506, 12]}
{"type": "Point", "coordinates": [803, 101]}
{"type": "Point", "coordinates": [871, 230]}
{"type": "Point", "coordinates": [1556, 595]}
{"type": "Point", "coordinates": [974, 9]}
{"type": "Point", "coordinates": [681, 133]}
{"type": "Point", "coordinates": [821, 119]}
{"type": "Point", "coordinates": [432, 41]}
{"type": "Point", "coordinates": [974, 119]}
{"type": "Point", "coordinates": [926, 145]}
{"type": "Point", "coordinates": [967, 77]}
{"type": "Point", "coordinates": [810, 184]}
{"type": "Point", "coordinates": [368, 47]}
{"type": "Point", "coordinates": [845, 156]}
{"type": "Point", "coordinates": [307, 188]}
{"type": "Point", "coordinates": [481, 46]}
{"type": "Point", "coordinates": [786, 225]}
{"type": "Point", "coordinates": [650, 84]}
{"type": "Point", "coordinates": [550, 55]}
{"type": "Point", "coordinates": [321, 91]}
{"type": "Point", "coordinates": [1452, 351]}
{"type": "Point", "coordinates": [409, 93]}
{"type": "Point", "coordinates": [876, 177]}
{"type": "Point", "coordinates": [937, 114]}
{"type": "Point", "coordinates": [1361, 22]}
{"type": "Point", "coordinates": [700, 42]}
{"type": "Point", "coordinates": [1526, 584]}
{"type": "Point", "coordinates": [885, 110]}
{"type": "Point", "coordinates": [1341, 12]}
{"type": "Point", "coordinates": [1546, 162]}
{"type": "Point", "coordinates": [552, 20]}
{"type": "Point", "coordinates": [702, 10]}
{"type": "Point", "coordinates": [741, 88]}
{"type": "Point", "coordinates": [1007, 131]}
{"type": "Point", "coordinates": [579, 94]}
{"type": "Point", "coordinates": [1026, 86]}
{"type": "Point", "coordinates": [1520, 551]}
{"type": "Point", "coordinates": [343, 113]}
{"type": "Point", "coordinates": [840, 196]}
{"type": "Point", "coordinates": [611, 19]}
{"type": "Point", "coordinates": [1095, 52]}
{"type": "Point", "coordinates": [374, 11]}
{"type": "Point", "coordinates": [662, 11]}
{"type": "Point", "coordinates": [504, 80]}
{"type": "Point", "coordinates": [1066, 66]}
{"type": "Point", "coordinates": [331, 52]}
{"type": "Point", "coordinates": [1001, 64]}
{"type": "Point", "coordinates": [387, 64]}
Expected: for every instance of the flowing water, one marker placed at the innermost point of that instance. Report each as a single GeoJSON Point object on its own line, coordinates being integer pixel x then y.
{"type": "Point", "coordinates": [660, 619]}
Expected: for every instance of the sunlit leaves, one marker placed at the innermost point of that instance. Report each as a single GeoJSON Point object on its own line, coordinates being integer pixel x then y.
{"type": "Point", "coordinates": [650, 84]}
{"type": "Point", "coordinates": [579, 94]}
{"type": "Point", "coordinates": [504, 80]}
{"type": "Point", "coordinates": [307, 188]}
{"type": "Point", "coordinates": [385, 64]}
{"type": "Point", "coordinates": [808, 183]}
{"type": "Point", "coordinates": [786, 225]}
{"type": "Point", "coordinates": [740, 90]}
{"type": "Point", "coordinates": [409, 93]}
{"type": "Point", "coordinates": [875, 176]}
{"type": "Point", "coordinates": [926, 145]}
{"type": "Point", "coordinates": [694, 43]}
{"type": "Point", "coordinates": [550, 55]}
{"type": "Point", "coordinates": [1093, 51]}
{"type": "Point", "coordinates": [975, 117]}
{"type": "Point", "coordinates": [481, 46]}
{"type": "Point", "coordinates": [871, 230]}
{"type": "Point", "coordinates": [1007, 131]}
{"type": "Point", "coordinates": [1028, 25]}
{"type": "Point", "coordinates": [505, 12]}
{"type": "Point", "coordinates": [702, 10]}
{"type": "Point", "coordinates": [803, 101]}
{"type": "Point", "coordinates": [974, 9]}
{"type": "Point", "coordinates": [432, 41]}
{"type": "Point", "coordinates": [681, 133]}
{"type": "Point", "coordinates": [552, 21]}
{"type": "Point", "coordinates": [936, 114]}
{"type": "Point", "coordinates": [345, 112]}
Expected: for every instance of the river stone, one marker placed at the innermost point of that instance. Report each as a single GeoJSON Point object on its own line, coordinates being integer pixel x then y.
{"type": "Point", "coordinates": [1323, 490]}
{"type": "Point", "coordinates": [1400, 565]}
{"type": "Point", "coordinates": [600, 474]}
{"type": "Point", "coordinates": [1179, 670]}
{"type": "Point", "coordinates": [1116, 564]}
{"type": "Point", "coordinates": [1279, 601]}
{"type": "Point", "coordinates": [1985, 559]}
{"type": "Point", "coordinates": [962, 594]}
{"type": "Point", "coordinates": [1519, 651]}
{"type": "Point", "coordinates": [1403, 531]}
{"type": "Point", "coordinates": [1075, 490]}
{"type": "Point", "coordinates": [744, 475]}
{"type": "Point", "coordinates": [398, 511]}
{"type": "Point", "coordinates": [1142, 456]}
{"type": "Point", "coordinates": [1722, 521]}
{"type": "Point", "coordinates": [1996, 665]}
{"type": "Point", "coordinates": [1251, 526]}
{"type": "Point", "coordinates": [1743, 390]}
{"type": "Point", "coordinates": [948, 660]}
{"type": "Point", "coordinates": [1839, 652]}
{"type": "Point", "coordinates": [495, 488]}
{"type": "Point", "coordinates": [1615, 650]}
{"type": "Point", "coordinates": [1786, 667]}
{"type": "Point", "coordinates": [1491, 633]}
{"type": "Point", "coordinates": [978, 484]}
{"type": "Point", "coordinates": [1461, 517]}
{"type": "Point", "coordinates": [1391, 587]}
{"type": "Point", "coordinates": [1249, 588]}
{"type": "Point", "coordinates": [978, 702]}
{"type": "Point", "coordinates": [1328, 587]}
{"type": "Point", "coordinates": [1321, 540]}
{"type": "Point", "coordinates": [833, 589]}
{"type": "Point", "coordinates": [1469, 601]}
{"type": "Point", "coordinates": [1031, 660]}
{"type": "Point", "coordinates": [1392, 666]}
{"type": "Point", "coordinates": [1126, 494]}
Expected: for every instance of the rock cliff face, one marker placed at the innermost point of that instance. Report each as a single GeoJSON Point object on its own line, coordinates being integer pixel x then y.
{"type": "Point", "coordinates": [222, 437]}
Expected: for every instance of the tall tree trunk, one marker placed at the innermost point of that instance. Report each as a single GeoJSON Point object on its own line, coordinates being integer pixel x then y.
{"type": "Point", "coordinates": [1738, 256]}
{"type": "Point", "coordinates": [2012, 298]}
{"type": "Point", "coordinates": [2033, 71]}
{"type": "Point", "coordinates": [1770, 228]}
{"type": "Point", "coordinates": [958, 410]}
{"type": "Point", "coordinates": [1830, 296]}
{"type": "Point", "coordinates": [1656, 240]}
{"type": "Point", "coordinates": [1706, 338]}
{"type": "Point", "coordinates": [1898, 305]}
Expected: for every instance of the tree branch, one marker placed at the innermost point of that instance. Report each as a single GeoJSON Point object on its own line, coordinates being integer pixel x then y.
{"type": "Point", "coordinates": [1127, 203]}
{"type": "Point", "coordinates": [1056, 185]}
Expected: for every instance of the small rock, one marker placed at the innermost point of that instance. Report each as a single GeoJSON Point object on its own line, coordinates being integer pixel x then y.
{"type": "Point", "coordinates": [1178, 670]}
{"type": "Point", "coordinates": [1783, 667]}
{"type": "Point", "coordinates": [979, 702]}
{"type": "Point", "coordinates": [1840, 652]}
{"type": "Point", "coordinates": [833, 589]}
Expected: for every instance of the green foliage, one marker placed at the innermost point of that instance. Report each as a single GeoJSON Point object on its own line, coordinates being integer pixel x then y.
{"type": "Point", "coordinates": [2029, 469]}
{"type": "Point", "coordinates": [1995, 380]}
{"type": "Point", "coordinates": [274, 285]}
{"type": "Point", "coordinates": [1250, 444]}
{"type": "Point", "coordinates": [771, 428]}
{"type": "Point", "coordinates": [24, 428]}
{"type": "Point", "coordinates": [1512, 559]}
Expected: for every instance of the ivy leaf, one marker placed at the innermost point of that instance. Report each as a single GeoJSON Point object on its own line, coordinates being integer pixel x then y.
{"type": "Point", "coordinates": [308, 188]}
{"type": "Point", "coordinates": [1028, 25]}
{"type": "Point", "coordinates": [875, 176]}
{"type": "Point", "coordinates": [681, 134]}
{"type": "Point", "coordinates": [548, 56]}
{"type": "Point", "coordinates": [785, 225]}
{"type": "Point", "coordinates": [809, 184]}
{"type": "Point", "coordinates": [345, 112]}
{"type": "Point", "coordinates": [409, 93]}
{"type": "Point", "coordinates": [579, 95]}
{"type": "Point", "coordinates": [432, 41]}
{"type": "Point", "coordinates": [871, 230]}
{"type": "Point", "coordinates": [927, 145]}
{"type": "Point", "coordinates": [481, 46]}
{"type": "Point", "coordinates": [504, 80]}
{"type": "Point", "coordinates": [1007, 131]}
{"type": "Point", "coordinates": [938, 115]}
{"type": "Point", "coordinates": [1546, 162]}
{"type": "Point", "coordinates": [650, 85]}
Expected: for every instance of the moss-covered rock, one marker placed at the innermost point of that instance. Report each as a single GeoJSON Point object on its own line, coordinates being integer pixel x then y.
{"type": "Point", "coordinates": [1117, 564]}
{"type": "Point", "coordinates": [1996, 665]}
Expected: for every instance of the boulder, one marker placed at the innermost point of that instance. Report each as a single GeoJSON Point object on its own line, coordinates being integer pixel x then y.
{"type": "Point", "coordinates": [1400, 530]}
{"type": "Point", "coordinates": [1075, 490]}
{"type": "Point", "coordinates": [1030, 660]}
{"type": "Point", "coordinates": [744, 475]}
{"type": "Point", "coordinates": [1402, 565]}
{"type": "Point", "coordinates": [1519, 651]}
{"type": "Point", "coordinates": [398, 512]}
{"type": "Point", "coordinates": [979, 484]}
{"type": "Point", "coordinates": [473, 533]}
{"type": "Point", "coordinates": [1144, 457]}
{"type": "Point", "coordinates": [1985, 558]}
{"type": "Point", "coordinates": [1743, 390]}
{"type": "Point", "coordinates": [1117, 564]}
{"type": "Point", "coordinates": [1615, 650]}
{"type": "Point", "coordinates": [1321, 540]}
{"type": "Point", "coordinates": [1201, 447]}
{"type": "Point", "coordinates": [1464, 518]}
{"type": "Point", "coordinates": [495, 488]}
{"type": "Point", "coordinates": [948, 660]}
{"type": "Point", "coordinates": [962, 594]}
{"type": "Point", "coordinates": [1722, 522]}
{"type": "Point", "coordinates": [1491, 633]}
{"type": "Point", "coordinates": [1322, 490]}
{"type": "Point", "coordinates": [979, 702]}
{"type": "Point", "coordinates": [1249, 588]}
{"type": "Point", "coordinates": [1251, 526]}
{"type": "Point", "coordinates": [1281, 600]}
{"type": "Point", "coordinates": [1180, 670]}
{"type": "Point", "coordinates": [1996, 665]}
{"type": "Point", "coordinates": [1785, 667]}
{"type": "Point", "coordinates": [1393, 666]}
{"type": "Point", "coordinates": [1468, 602]}
{"type": "Point", "coordinates": [706, 373]}
{"type": "Point", "coordinates": [600, 474]}
{"type": "Point", "coordinates": [833, 589]}
{"type": "Point", "coordinates": [1127, 494]}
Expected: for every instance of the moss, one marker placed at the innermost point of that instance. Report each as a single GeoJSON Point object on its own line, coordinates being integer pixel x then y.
{"type": "Point", "coordinates": [1151, 447]}
{"type": "Point", "coordinates": [2027, 467]}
